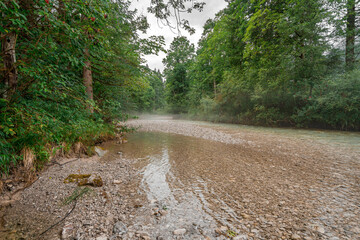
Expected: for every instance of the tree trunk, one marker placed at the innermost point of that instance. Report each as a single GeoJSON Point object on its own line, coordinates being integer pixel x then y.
{"type": "Point", "coordinates": [350, 34]}
{"type": "Point", "coordinates": [215, 93]}
{"type": "Point", "coordinates": [61, 10]}
{"type": "Point", "coordinates": [9, 59]}
{"type": "Point", "coordinates": [87, 77]}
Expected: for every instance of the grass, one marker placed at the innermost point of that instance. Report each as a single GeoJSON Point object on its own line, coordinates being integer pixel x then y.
{"type": "Point", "coordinates": [78, 193]}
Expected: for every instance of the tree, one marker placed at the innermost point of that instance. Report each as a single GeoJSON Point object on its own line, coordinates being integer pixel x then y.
{"type": "Point", "coordinates": [177, 62]}
{"type": "Point", "coordinates": [350, 34]}
{"type": "Point", "coordinates": [43, 78]}
{"type": "Point", "coordinates": [164, 10]}
{"type": "Point", "coordinates": [345, 15]}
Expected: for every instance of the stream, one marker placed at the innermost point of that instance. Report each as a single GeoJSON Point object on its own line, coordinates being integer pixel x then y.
{"type": "Point", "coordinates": [214, 189]}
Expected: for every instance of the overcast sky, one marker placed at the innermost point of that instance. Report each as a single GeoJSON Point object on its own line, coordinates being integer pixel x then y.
{"type": "Point", "coordinates": [196, 19]}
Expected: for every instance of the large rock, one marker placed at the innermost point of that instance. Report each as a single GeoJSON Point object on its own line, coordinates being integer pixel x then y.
{"type": "Point", "coordinates": [100, 151]}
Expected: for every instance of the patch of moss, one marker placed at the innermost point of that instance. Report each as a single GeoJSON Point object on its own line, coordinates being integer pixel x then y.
{"type": "Point", "coordinates": [77, 178]}
{"type": "Point", "coordinates": [84, 180]}
{"type": "Point", "coordinates": [97, 182]}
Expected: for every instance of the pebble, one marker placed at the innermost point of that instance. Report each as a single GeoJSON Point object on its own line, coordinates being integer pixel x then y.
{"type": "Point", "coordinates": [67, 231]}
{"type": "Point", "coordinates": [320, 229]}
{"type": "Point", "coordinates": [102, 237]}
{"type": "Point", "coordinates": [180, 231]}
{"type": "Point", "coordinates": [223, 228]}
{"type": "Point", "coordinates": [240, 237]}
{"type": "Point", "coordinates": [295, 236]}
{"type": "Point", "coordinates": [119, 228]}
{"type": "Point", "coordinates": [143, 235]}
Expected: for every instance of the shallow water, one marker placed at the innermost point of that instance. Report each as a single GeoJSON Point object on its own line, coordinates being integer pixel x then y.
{"type": "Point", "coordinates": [336, 138]}
{"type": "Point", "coordinates": [205, 184]}
{"type": "Point", "coordinates": [276, 187]}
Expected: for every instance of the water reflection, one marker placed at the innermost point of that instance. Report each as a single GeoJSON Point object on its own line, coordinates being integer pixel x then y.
{"type": "Point", "coordinates": [154, 177]}
{"type": "Point", "coordinates": [183, 207]}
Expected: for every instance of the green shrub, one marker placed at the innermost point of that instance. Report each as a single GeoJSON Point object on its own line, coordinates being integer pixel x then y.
{"type": "Point", "coordinates": [334, 104]}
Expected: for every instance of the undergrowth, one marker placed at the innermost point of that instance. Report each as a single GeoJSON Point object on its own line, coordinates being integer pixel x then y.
{"type": "Point", "coordinates": [46, 131]}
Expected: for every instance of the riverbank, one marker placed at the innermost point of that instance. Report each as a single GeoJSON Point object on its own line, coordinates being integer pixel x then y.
{"type": "Point", "coordinates": [179, 179]}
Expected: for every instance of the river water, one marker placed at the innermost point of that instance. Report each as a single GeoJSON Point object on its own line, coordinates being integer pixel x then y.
{"type": "Point", "coordinates": [219, 190]}
{"type": "Point", "coordinates": [178, 179]}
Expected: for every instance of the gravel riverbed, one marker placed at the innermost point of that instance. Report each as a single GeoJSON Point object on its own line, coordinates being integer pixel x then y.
{"type": "Point", "coordinates": [178, 179]}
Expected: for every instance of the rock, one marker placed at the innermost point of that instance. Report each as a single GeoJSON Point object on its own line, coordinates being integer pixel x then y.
{"type": "Point", "coordinates": [246, 216]}
{"type": "Point", "coordinates": [143, 235]}
{"type": "Point", "coordinates": [180, 231]}
{"type": "Point", "coordinates": [320, 229]}
{"type": "Point", "coordinates": [87, 223]}
{"type": "Point", "coordinates": [95, 181]}
{"type": "Point", "coordinates": [100, 151]}
{"type": "Point", "coordinates": [295, 237]}
{"type": "Point", "coordinates": [67, 231]}
{"type": "Point", "coordinates": [163, 212]}
{"type": "Point", "coordinates": [221, 230]}
{"type": "Point", "coordinates": [119, 228]}
{"type": "Point", "coordinates": [255, 231]}
{"type": "Point", "coordinates": [117, 182]}
{"type": "Point", "coordinates": [102, 237]}
{"type": "Point", "coordinates": [240, 237]}
{"type": "Point", "coordinates": [355, 230]}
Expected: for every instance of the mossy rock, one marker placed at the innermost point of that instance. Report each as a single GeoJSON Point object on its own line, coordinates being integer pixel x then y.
{"type": "Point", "coordinates": [84, 180]}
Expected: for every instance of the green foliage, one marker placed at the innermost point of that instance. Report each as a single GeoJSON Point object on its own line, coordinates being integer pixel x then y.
{"type": "Point", "coordinates": [150, 98]}
{"type": "Point", "coordinates": [272, 63]}
{"type": "Point", "coordinates": [335, 104]}
{"type": "Point", "coordinates": [50, 106]}
{"type": "Point", "coordinates": [176, 63]}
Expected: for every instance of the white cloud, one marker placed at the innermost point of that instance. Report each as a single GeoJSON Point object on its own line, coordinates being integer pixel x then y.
{"type": "Point", "coordinates": [196, 19]}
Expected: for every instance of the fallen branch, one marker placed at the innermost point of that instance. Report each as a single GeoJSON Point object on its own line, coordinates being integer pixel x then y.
{"type": "Point", "coordinates": [55, 224]}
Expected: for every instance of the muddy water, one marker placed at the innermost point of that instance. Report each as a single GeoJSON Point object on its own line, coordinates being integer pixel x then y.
{"type": "Point", "coordinates": [200, 185]}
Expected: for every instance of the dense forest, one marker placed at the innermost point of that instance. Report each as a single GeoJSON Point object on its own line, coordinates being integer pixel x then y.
{"type": "Point", "coordinates": [70, 70]}
{"type": "Point", "coordinates": [274, 63]}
